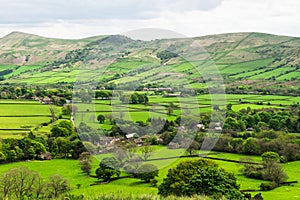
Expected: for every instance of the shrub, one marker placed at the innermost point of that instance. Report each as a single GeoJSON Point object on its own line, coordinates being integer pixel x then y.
{"type": "Point", "coordinates": [267, 186]}
{"type": "Point", "coordinates": [146, 172]}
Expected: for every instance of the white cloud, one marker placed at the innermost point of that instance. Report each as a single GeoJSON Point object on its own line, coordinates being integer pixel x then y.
{"type": "Point", "coordinates": [74, 18]}
{"type": "Point", "coordinates": [37, 11]}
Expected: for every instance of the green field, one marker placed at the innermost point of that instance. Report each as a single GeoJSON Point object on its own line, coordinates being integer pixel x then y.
{"type": "Point", "coordinates": [18, 117]}
{"type": "Point", "coordinates": [130, 186]}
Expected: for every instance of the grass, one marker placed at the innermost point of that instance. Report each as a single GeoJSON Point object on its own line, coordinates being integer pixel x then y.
{"type": "Point", "coordinates": [24, 115]}
{"type": "Point", "coordinates": [18, 117]}
{"type": "Point", "coordinates": [129, 186]}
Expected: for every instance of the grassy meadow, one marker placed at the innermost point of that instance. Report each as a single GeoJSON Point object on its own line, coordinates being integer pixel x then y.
{"type": "Point", "coordinates": [17, 117]}
{"type": "Point", "coordinates": [130, 186]}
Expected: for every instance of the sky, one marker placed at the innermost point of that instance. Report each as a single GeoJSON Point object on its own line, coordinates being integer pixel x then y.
{"type": "Point", "coordinates": [83, 18]}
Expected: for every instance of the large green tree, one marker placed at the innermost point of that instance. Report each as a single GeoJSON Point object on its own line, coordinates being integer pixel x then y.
{"type": "Point", "coordinates": [179, 176]}
{"type": "Point", "coordinates": [108, 167]}
{"type": "Point", "coordinates": [213, 181]}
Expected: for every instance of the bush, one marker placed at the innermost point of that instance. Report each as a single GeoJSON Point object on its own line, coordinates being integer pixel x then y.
{"type": "Point", "coordinates": [147, 172]}
{"type": "Point", "coordinates": [267, 186]}
{"type": "Point", "coordinates": [270, 156]}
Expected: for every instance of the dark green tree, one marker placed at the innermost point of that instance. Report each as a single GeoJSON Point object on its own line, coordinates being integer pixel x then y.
{"type": "Point", "coordinates": [101, 118]}
{"type": "Point", "coordinates": [146, 172]}
{"type": "Point", "coordinates": [179, 176]}
{"type": "Point", "coordinates": [108, 167]}
{"type": "Point", "coordinates": [213, 181]}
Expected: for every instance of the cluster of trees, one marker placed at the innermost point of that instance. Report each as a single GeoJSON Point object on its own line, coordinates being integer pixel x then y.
{"type": "Point", "coordinates": [30, 147]}
{"type": "Point", "coordinates": [135, 98]}
{"type": "Point", "coordinates": [267, 90]}
{"type": "Point", "coordinates": [22, 183]}
{"type": "Point", "coordinates": [247, 131]}
{"type": "Point", "coordinates": [63, 142]}
{"type": "Point", "coordinates": [267, 131]}
{"type": "Point", "coordinates": [286, 120]}
{"type": "Point", "coordinates": [130, 159]}
{"type": "Point", "coordinates": [111, 166]}
{"type": "Point", "coordinates": [165, 55]}
{"type": "Point", "coordinates": [4, 72]}
{"type": "Point", "coordinates": [269, 170]}
{"type": "Point", "coordinates": [58, 94]}
{"type": "Point", "coordinates": [103, 94]}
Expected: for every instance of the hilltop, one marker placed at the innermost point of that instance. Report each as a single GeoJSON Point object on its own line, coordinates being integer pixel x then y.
{"type": "Point", "coordinates": [27, 49]}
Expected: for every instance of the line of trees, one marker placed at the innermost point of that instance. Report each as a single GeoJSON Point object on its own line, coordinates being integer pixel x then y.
{"type": "Point", "coordinates": [62, 142]}
{"type": "Point", "coordinates": [57, 93]}
{"type": "Point", "coordinates": [135, 98]}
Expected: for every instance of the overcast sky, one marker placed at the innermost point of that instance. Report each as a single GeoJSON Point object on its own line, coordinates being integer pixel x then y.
{"type": "Point", "coordinates": [82, 18]}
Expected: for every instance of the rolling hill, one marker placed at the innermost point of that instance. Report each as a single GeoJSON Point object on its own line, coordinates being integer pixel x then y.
{"type": "Point", "coordinates": [26, 49]}
{"type": "Point", "coordinates": [251, 59]}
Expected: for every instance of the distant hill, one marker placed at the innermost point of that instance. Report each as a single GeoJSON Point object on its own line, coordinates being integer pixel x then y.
{"type": "Point", "coordinates": [241, 58]}
{"type": "Point", "coordinates": [26, 49]}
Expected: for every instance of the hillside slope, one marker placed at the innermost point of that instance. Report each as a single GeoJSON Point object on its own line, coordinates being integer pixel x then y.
{"type": "Point", "coordinates": [26, 49]}
{"type": "Point", "coordinates": [241, 58]}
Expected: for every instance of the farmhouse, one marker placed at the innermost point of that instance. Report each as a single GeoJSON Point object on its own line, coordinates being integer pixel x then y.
{"type": "Point", "coordinates": [158, 89]}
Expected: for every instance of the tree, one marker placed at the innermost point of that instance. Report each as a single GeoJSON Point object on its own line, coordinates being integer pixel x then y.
{"type": "Point", "coordinates": [251, 146]}
{"type": "Point", "coordinates": [63, 146]}
{"type": "Point", "coordinates": [270, 156]}
{"type": "Point", "coordinates": [85, 162]}
{"type": "Point", "coordinates": [290, 151]}
{"type": "Point", "coordinates": [12, 155]}
{"type": "Point", "coordinates": [274, 124]}
{"type": "Point", "coordinates": [193, 147]}
{"type": "Point", "coordinates": [177, 177]}
{"type": "Point", "coordinates": [67, 125]}
{"type": "Point", "coordinates": [109, 117]}
{"type": "Point", "coordinates": [108, 167]}
{"type": "Point", "coordinates": [100, 119]}
{"type": "Point", "coordinates": [170, 110]}
{"type": "Point", "coordinates": [19, 182]}
{"type": "Point", "coordinates": [6, 183]}
{"type": "Point", "coordinates": [165, 55]}
{"type": "Point", "coordinates": [251, 170]}
{"type": "Point", "coordinates": [273, 171]}
{"type": "Point", "coordinates": [213, 181]}
{"type": "Point", "coordinates": [57, 186]}
{"type": "Point", "coordinates": [269, 170]}
{"type": "Point", "coordinates": [229, 106]}
{"type": "Point", "coordinates": [57, 131]}
{"type": "Point", "coordinates": [146, 172]}
{"type": "Point", "coordinates": [134, 98]}
{"type": "Point", "coordinates": [147, 151]}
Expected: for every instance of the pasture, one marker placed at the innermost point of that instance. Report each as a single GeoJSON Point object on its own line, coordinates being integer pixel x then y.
{"type": "Point", "coordinates": [158, 107]}
{"type": "Point", "coordinates": [18, 117]}
{"type": "Point", "coordinates": [130, 186]}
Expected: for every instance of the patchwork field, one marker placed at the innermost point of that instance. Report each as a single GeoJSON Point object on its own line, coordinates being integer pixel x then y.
{"type": "Point", "coordinates": [17, 117]}
{"type": "Point", "coordinates": [158, 107]}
